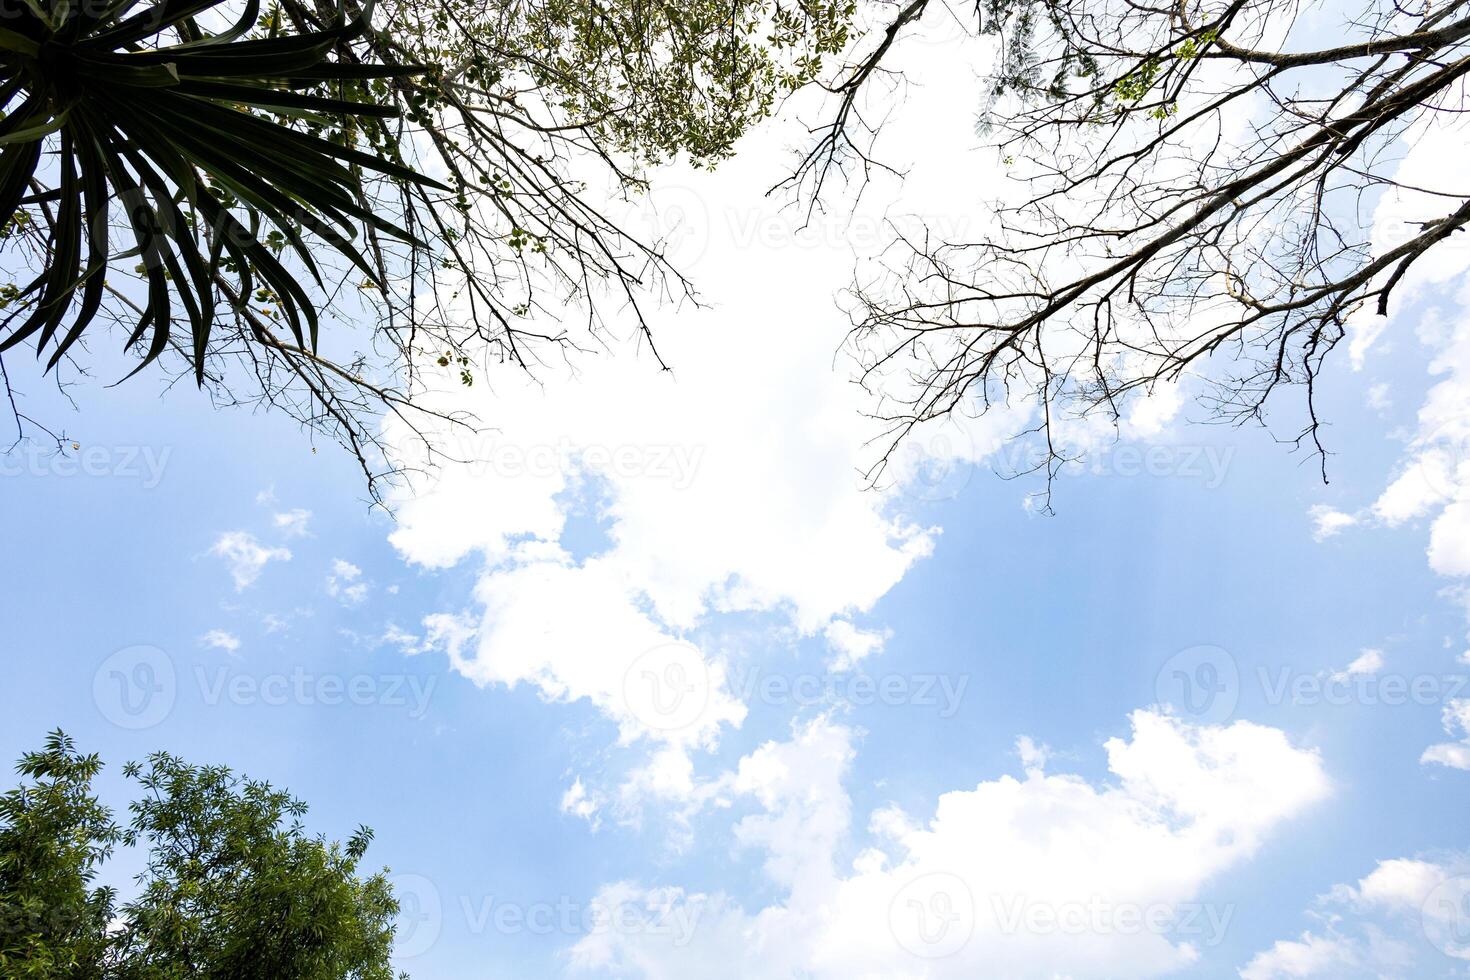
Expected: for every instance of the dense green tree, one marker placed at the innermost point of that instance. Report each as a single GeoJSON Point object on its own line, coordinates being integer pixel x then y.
{"type": "Point", "coordinates": [54, 834]}
{"type": "Point", "coordinates": [233, 885]}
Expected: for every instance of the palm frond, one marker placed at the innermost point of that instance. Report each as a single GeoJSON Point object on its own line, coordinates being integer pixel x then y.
{"type": "Point", "coordinates": [180, 137]}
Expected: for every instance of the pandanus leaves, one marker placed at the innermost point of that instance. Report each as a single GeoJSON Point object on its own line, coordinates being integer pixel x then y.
{"type": "Point", "coordinates": [189, 145]}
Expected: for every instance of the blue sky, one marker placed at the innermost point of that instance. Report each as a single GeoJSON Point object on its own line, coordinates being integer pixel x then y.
{"type": "Point", "coordinates": [468, 677]}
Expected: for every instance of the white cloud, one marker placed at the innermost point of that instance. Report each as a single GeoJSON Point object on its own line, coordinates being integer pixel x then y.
{"type": "Point", "coordinates": [221, 640]}
{"type": "Point", "coordinates": [850, 644]}
{"type": "Point", "coordinates": [732, 484]}
{"type": "Point", "coordinates": [409, 643]}
{"type": "Point", "coordinates": [1455, 755]}
{"type": "Point", "coordinates": [1150, 416]}
{"type": "Point", "coordinates": [1432, 473]}
{"type": "Point", "coordinates": [1432, 478]}
{"type": "Point", "coordinates": [1033, 755]}
{"type": "Point", "coordinates": [1449, 540]}
{"type": "Point", "coordinates": [449, 632]}
{"type": "Point", "coordinates": [579, 631]}
{"type": "Point", "coordinates": [346, 584]}
{"type": "Point", "coordinates": [1311, 956]}
{"type": "Point", "coordinates": [1406, 917]}
{"type": "Point", "coordinates": [1329, 522]}
{"type": "Point", "coordinates": [245, 556]}
{"type": "Point", "coordinates": [578, 802]}
{"type": "Point", "coordinates": [293, 523]}
{"type": "Point", "coordinates": [995, 883]}
{"type": "Point", "coordinates": [1397, 885]}
{"type": "Point", "coordinates": [1367, 662]}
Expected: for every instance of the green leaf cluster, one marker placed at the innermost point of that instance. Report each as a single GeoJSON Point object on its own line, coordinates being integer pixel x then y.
{"type": "Point", "coordinates": [189, 133]}
{"type": "Point", "coordinates": [233, 885]}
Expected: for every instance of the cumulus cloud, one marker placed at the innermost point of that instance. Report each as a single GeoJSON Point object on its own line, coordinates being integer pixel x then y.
{"type": "Point", "coordinates": [1405, 917]}
{"type": "Point", "coordinates": [850, 644]}
{"type": "Point", "coordinates": [1039, 876]}
{"type": "Point", "coordinates": [1456, 754]}
{"type": "Point", "coordinates": [1328, 522]}
{"type": "Point", "coordinates": [730, 486]}
{"type": "Point", "coordinates": [579, 631]}
{"type": "Point", "coordinates": [1310, 956]}
{"type": "Point", "coordinates": [246, 557]}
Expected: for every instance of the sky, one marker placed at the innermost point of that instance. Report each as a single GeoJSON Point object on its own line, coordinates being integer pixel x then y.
{"type": "Point", "coordinates": [659, 687]}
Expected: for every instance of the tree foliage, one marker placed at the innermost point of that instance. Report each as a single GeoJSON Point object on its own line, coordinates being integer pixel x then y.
{"type": "Point", "coordinates": [54, 835]}
{"type": "Point", "coordinates": [525, 114]}
{"type": "Point", "coordinates": [232, 887]}
{"type": "Point", "coordinates": [178, 135]}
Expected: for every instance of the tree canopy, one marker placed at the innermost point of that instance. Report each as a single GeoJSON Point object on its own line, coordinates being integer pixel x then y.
{"type": "Point", "coordinates": [454, 158]}
{"type": "Point", "coordinates": [233, 885]}
{"type": "Point", "coordinates": [1197, 181]}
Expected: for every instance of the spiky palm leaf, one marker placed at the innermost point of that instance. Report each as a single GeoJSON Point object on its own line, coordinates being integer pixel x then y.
{"type": "Point", "coordinates": [178, 135]}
